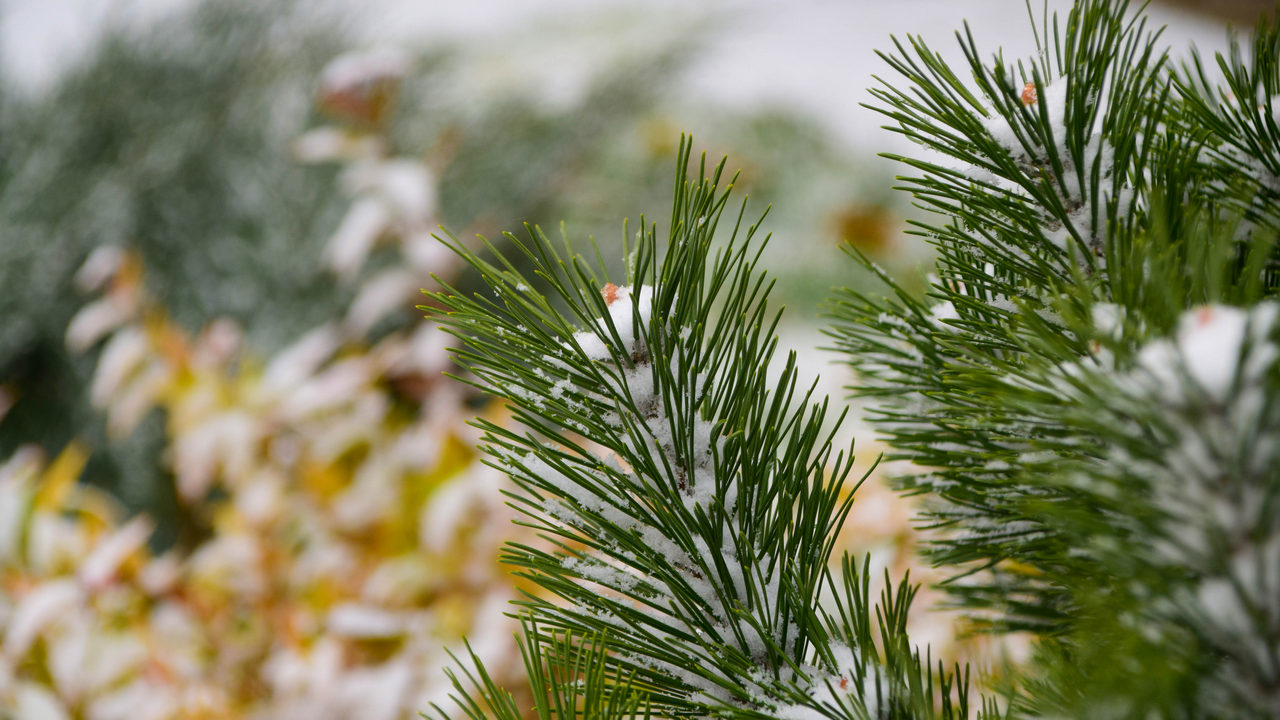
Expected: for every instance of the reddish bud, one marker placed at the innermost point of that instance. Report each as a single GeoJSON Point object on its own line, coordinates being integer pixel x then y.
{"type": "Point", "coordinates": [1029, 94]}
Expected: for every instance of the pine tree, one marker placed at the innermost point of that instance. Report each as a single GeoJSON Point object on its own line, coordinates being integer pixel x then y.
{"type": "Point", "coordinates": [1089, 392]}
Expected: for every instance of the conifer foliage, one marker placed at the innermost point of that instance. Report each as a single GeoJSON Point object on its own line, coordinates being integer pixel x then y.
{"type": "Point", "coordinates": [1089, 392]}
{"type": "Point", "coordinates": [691, 497]}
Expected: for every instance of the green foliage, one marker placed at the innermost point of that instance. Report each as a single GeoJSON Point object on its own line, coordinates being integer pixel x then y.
{"type": "Point", "coordinates": [1088, 477]}
{"type": "Point", "coordinates": [1089, 393]}
{"type": "Point", "coordinates": [147, 145]}
{"type": "Point", "coordinates": [569, 676]}
{"type": "Point", "coordinates": [689, 498]}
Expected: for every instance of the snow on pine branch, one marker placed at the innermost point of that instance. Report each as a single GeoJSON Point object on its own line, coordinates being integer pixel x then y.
{"type": "Point", "coordinates": [1032, 165]}
{"type": "Point", "coordinates": [1220, 466]}
{"type": "Point", "coordinates": [646, 552]}
{"type": "Point", "coordinates": [691, 497]}
{"type": "Point", "coordinates": [1179, 438]}
{"type": "Point", "coordinates": [623, 311]}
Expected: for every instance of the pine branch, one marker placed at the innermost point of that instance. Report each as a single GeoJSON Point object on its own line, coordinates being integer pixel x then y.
{"type": "Point", "coordinates": [1088, 422]}
{"type": "Point", "coordinates": [1037, 161]}
{"type": "Point", "coordinates": [569, 675]}
{"type": "Point", "coordinates": [688, 500]}
{"type": "Point", "coordinates": [1236, 121]}
{"type": "Point", "coordinates": [1031, 160]}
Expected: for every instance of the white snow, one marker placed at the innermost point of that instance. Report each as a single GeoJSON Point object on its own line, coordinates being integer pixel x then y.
{"type": "Point", "coordinates": [943, 312]}
{"type": "Point", "coordinates": [407, 187]}
{"type": "Point", "coordinates": [1209, 349]}
{"type": "Point", "coordinates": [845, 680]}
{"type": "Point", "coordinates": [122, 357]}
{"type": "Point", "coordinates": [1054, 96]}
{"type": "Point", "coordinates": [102, 264]}
{"type": "Point", "coordinates": [356, 235]}
{"type": "Point", "coordinates": [602, 574]}
{"type": "Point", "coordinates": [355, 69]}
{"type": "Point", "coordinates": [1108, 319]}
{"type": "Point", "coordinates": [100, 567]}
{"type": "Point", "coordinates": [95, 320]}
{"type": "Point", "coordinates": [301, 360]}
{"type": "Point", "coordinates": [622, 313]}
{"type": "Point", "coordinates": [364, 621]}
{"type": "Point", "coordinates": [1210, 481]}
{"type": "Point", "coordinates": [39, 608]}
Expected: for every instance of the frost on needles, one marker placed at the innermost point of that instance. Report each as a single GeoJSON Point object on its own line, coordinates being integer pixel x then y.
{"type": "Point", "coordinates": [688, 500]}
{"type": "Point", "coordinates": [1089, 390]}
{"type": "Point", "coordinates": [1088, 393]}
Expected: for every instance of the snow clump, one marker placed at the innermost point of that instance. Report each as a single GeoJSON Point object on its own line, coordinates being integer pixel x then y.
{"type": "Point", "coordinates": [623, 310]}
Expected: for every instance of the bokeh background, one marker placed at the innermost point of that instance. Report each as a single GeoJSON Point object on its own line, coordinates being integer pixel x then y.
{"type": "Point", "coordinates": [234, 479]}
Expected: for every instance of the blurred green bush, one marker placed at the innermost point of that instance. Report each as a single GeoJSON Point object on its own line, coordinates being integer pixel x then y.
{"type": "Point", "coordinates": [174, 142]}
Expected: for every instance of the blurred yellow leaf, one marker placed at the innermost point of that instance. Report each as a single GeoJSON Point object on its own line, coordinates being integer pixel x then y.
{"type": "Point", "coordinates": [57, 482]}
{"type": "Point", "coordinates": [869, 228]}
{"type": "Point", "coordinates": [455, 456]}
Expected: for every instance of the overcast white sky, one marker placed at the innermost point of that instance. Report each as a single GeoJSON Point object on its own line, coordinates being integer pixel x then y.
{"type": "Point", "coordinates": [815, 56]}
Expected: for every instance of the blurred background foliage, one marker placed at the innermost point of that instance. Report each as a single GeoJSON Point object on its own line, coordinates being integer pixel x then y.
{"type": "Point", "coordinates": [175, 143]}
